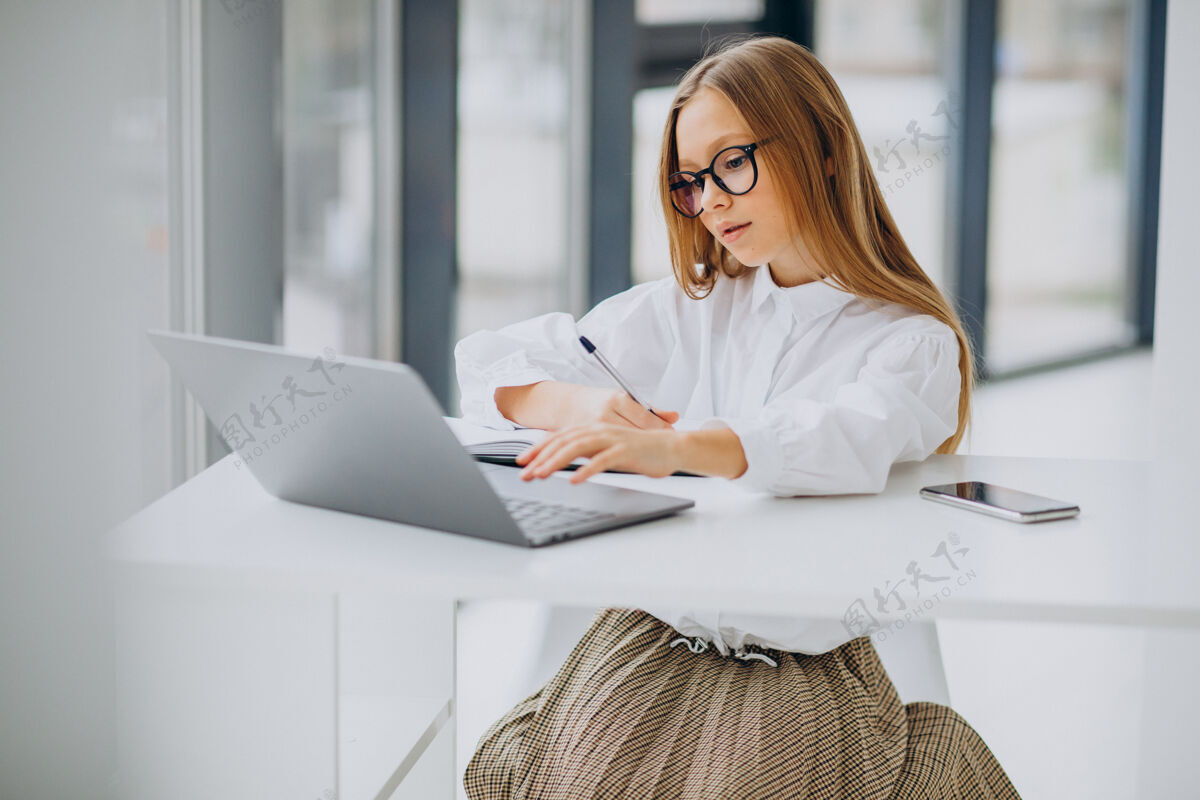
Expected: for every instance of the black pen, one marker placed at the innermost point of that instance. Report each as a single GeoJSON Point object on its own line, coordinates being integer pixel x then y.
{"type": "Point", "coordinates": [612, 371]}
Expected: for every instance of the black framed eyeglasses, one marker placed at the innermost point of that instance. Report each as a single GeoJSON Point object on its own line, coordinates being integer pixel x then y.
{"type": "Point", "coordinates": [733, 169]}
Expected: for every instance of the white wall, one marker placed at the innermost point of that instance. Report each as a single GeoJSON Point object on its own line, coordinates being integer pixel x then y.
{"type": "Point", "coordinates": [1176, 387]}
{"type": "Point", "coordinates": [82, 411]}
{"type": "Point", "coordinates": [1169, 734]}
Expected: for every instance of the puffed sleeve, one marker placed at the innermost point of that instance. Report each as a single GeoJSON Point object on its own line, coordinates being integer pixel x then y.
{"type": "Point", "coordinates": [633, 329]}
{"type": "Point", "coordinates": [903, 404]}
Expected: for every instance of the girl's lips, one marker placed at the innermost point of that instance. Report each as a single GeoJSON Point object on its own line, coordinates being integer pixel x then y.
{"type": "Point", "coordinates": [734, 233]}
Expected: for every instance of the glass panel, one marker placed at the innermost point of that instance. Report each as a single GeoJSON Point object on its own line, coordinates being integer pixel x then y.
{"type": "Point", "coordinates": [889, 60]}
{"type": "Point", "coordinates": [329, 207]}
{"type": "Point", "coordinates": [1057, 233]}
{"type": "Point", "coordinates": [667, 12]}
{"type": "Point", "coordinates": [651, 256]}
{"type": "Point", "coordinates": [512, 168]}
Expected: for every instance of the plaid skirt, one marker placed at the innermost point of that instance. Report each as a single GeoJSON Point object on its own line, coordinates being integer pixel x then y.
{"type": "Point", "coordinates": [628, 715]}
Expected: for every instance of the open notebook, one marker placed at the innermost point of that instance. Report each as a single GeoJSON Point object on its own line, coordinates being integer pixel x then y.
{"type": "Point", "coordinates": [503, 447]}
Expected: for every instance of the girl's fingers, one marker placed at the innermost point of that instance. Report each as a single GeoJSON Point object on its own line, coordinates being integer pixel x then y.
{"type": "Point", "coordinates": [626, 414]}
{"type": "Point", "coordinates": [530, 452]}
{"type": "Point", "coordinates": [560, 449]}
{"type": "Point", "coordinates": [636, 415]}
{"type": "Point", "coordinates": [660, 420]}
{"type": "Point", "coordinates": [535, 450]}
{"type": "Point", "coordinates": [552, 450]}
{"type": "Point", "coordinates": [586, 443]}
{"type": "Point", "coordinates": [649, 420]}
{"type": "Point", "coordinates": [596, 464]}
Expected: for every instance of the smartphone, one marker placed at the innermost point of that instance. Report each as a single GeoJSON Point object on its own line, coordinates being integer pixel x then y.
{"type": "Point", "coordinates": [997, 501]}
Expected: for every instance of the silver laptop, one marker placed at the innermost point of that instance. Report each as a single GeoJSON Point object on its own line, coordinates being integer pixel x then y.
{"type": "Point", "coordinates": [368, 437]}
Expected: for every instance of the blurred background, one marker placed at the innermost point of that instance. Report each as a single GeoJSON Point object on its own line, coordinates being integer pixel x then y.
{"type": "Point", "coordinates": [384, 177]}
{"type": "Point", "coordinates": [1056, 175]}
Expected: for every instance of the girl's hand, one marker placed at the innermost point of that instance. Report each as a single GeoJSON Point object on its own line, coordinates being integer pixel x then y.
{"type": "Point", "coordinates": [608, 446]}
{"type": "Point", "coordinates": [590, 405]}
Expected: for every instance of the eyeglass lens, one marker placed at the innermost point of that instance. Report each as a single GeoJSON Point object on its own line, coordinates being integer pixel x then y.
{"type": "Point", "coordinates": [733, 170]}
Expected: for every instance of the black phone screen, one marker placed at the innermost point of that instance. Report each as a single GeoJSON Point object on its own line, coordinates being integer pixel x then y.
{"type": "Point", "coordinates": [989, 494]}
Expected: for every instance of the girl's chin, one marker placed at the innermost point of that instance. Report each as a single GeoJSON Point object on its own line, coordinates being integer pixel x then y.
{"type": "Point", "coordinates": [743, 256]}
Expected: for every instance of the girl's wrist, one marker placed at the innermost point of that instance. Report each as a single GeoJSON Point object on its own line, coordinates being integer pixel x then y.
{"type": "Point", "coordinates": [535, 405]}
{"type": "Point", "coordinates": [717, 452]}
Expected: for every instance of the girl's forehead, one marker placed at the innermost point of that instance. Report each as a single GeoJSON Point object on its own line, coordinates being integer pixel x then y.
{"type": "Point", "coordinates": [707, 122]}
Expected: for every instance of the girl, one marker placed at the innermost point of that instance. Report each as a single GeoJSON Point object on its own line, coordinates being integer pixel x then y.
{"type": "Point", "coordinates": [808, 353]}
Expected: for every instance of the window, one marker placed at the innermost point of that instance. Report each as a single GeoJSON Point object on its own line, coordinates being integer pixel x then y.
{"type": "Point", "coordinates": [667, 12]}
{"type": "Point", "coordinates": [512, 151]}
{"type": "Point", "coordinates": [890, 61]}
{"type": "Point", "coordinates": [329, 176]}
{"type": "Point", "coordinates": [1058, 277]}
{"type": "Point", "coordinates": [651, 256]}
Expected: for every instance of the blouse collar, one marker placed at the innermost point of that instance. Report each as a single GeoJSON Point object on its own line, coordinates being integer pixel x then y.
{"type": "Point", "coordinates": [807, 300]}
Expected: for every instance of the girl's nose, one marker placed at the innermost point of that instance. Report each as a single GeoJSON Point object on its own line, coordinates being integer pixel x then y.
{"type": "Point", "coordinates": [713, 196]}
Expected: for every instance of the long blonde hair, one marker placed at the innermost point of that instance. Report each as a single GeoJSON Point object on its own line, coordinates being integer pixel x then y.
{"type": "Point", "coordinates": [784, 93]}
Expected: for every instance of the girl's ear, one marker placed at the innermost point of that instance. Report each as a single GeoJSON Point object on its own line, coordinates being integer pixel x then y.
{"type": "Point", "coordinates": [829, 166]}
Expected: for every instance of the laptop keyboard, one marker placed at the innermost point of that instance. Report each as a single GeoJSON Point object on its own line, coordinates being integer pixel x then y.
{"type": "Point", "coordinates": [543, 521]}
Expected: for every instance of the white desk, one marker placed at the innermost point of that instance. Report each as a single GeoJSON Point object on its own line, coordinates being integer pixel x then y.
{"type": "Point", "coordinates": [1129, 558]}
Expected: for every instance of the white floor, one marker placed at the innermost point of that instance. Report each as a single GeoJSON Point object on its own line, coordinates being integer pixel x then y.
{"type": "Point", "coordinates": [1060, 706]}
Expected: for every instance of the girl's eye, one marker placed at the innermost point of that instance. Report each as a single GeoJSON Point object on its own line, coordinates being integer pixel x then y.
{"type": "Point", "coordinates": [735, 162]}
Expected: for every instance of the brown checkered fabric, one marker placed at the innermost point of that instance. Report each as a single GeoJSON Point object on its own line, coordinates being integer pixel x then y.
{"type": "Point", "coordinates": [629, 717]}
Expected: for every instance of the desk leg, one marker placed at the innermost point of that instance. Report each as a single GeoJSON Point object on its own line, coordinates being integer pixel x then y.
{"type": "Point", "coordinates": [396, 697]}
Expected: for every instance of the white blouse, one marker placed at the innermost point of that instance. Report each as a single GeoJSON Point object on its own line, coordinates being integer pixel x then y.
{"type": "Point", "coordinates": [825, 390]}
